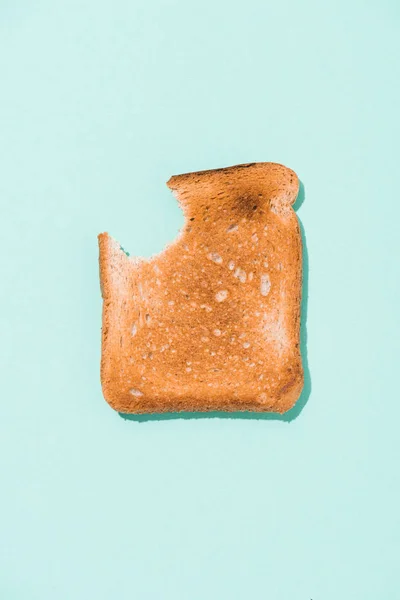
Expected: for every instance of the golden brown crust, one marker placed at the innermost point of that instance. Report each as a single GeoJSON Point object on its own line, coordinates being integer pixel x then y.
{"type": "Point", "coordinates": [212, 323]}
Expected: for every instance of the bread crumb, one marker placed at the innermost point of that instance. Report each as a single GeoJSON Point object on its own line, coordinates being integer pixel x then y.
{"type": "Point", "coordinates": [206, 307]}
{"type": "Point", "coordinates": [246, 345]}
{"type": "Point", "coordinates": [265, 285]}
{"type": "Point", "coordinates": [134, 329]}
{"type": "Point", "coordinates": [231, 265]}
{"type": "Point", "coordinates": [233, 227]}
{"type": "Point", "coordinates": [240, 274]}
{"type": "Point", "coordinates": [217, 332]}
{"type": "Point", "coordinates": [221, 295]}
{"type": "Point", "coordinates": [136, 393]}
{"type": "Point", "coordinates": [215, 257]}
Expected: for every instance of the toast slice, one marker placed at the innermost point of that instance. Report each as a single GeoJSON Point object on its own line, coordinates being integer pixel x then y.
{"type": "Point", "coordinates": [212, 323]}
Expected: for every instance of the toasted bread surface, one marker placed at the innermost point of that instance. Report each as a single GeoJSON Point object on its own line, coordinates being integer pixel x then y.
{"type": "Point", "coordinates": [212, 323]}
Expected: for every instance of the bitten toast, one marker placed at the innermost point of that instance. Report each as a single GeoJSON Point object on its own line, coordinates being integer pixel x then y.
{"type": "Point", "coordinates": [212, 323]}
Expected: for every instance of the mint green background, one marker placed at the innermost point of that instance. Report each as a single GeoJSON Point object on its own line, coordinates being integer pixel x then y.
{"type": "Point", "coordinates": [101, 101]}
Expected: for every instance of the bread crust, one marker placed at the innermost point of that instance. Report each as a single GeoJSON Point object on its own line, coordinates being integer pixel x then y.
{"type": "Point", "coordinates": [212, 323]}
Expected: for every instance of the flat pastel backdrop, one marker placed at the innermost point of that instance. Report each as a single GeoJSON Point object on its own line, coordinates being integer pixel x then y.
{"type": "Point", "coordinates": [101, 101]}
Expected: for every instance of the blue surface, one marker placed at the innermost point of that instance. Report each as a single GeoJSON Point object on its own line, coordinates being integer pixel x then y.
{"type": "Point", "coordinates": [100, 103]}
